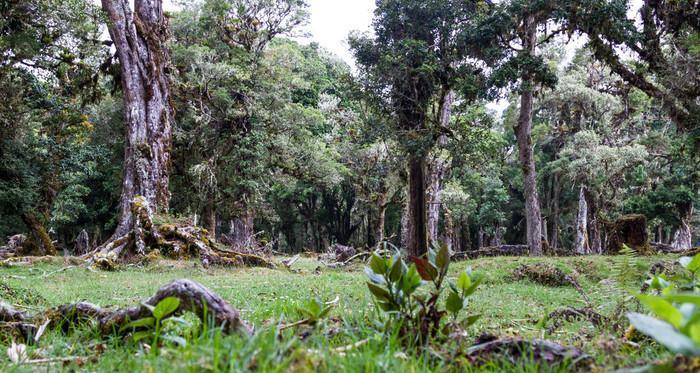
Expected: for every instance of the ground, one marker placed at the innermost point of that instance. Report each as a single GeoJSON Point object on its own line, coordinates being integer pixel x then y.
{"type": "Point", "coordinates": [267, 297]}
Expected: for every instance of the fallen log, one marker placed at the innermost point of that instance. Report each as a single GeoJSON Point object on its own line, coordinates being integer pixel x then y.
{"type": "Point", "coordinates": [501, 250]}
{"type": "Point", "coordinates": [193, 297]}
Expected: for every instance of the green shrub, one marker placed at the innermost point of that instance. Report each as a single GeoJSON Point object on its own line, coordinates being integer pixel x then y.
{"type": "Point", "coordinates": [395, 286]}
{"type": "Point", "coordinates": [677, 311]}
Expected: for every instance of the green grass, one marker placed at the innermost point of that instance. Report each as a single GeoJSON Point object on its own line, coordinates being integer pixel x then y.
{"type": "Point", "coordinates": [266, 297]}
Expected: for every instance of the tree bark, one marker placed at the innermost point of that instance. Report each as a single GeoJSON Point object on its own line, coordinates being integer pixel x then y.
{"type": "Point", "coordinates": [594, 233]}
{"type": "Point", "coordinates": [438, 169]}
{"type": "Point", "coordinates": [39, 234]}
{"type": "Point", "coordinates": [682, 239]}
{"type": "Point", "coordinates": [209, 218]}
{"type": "Point", "coordinates": [242, 229]}
{"type": "Point", "coordinates": [140, 38]}
{"type": "Point", "coordinates": [381, 219]}
{"type": "Point", "coordinates": [417, 244]}
{"type": "Point", "coordinates": [554, 240]}
{"type": "Point", "coordinates": [523, 132]}
{"type": "Point", "coordinates": [581, 245]}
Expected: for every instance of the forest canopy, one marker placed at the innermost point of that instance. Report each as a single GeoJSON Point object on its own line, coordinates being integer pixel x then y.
{"type": "Point", "coordinates": [281, 142]}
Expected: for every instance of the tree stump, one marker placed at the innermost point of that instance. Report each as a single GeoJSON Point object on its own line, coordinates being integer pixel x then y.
{"type": "Point", "coordinates": [630, 230]}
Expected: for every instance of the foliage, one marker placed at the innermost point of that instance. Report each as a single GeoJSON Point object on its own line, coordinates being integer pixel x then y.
{"type": "Point", "coordinates": [677, 311]}
{"type": "Point", "coordinates": [151, 327]}
{"type": "Point", "coordinates": [418, 317]}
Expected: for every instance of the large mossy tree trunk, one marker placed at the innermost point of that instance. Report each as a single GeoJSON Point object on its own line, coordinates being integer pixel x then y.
{"type": "Point", "coordinates": [523, 133]}
{"type": "Point", "coordinates": [140, 36]}
{"type": "Point", "coordinates": [39, 243]}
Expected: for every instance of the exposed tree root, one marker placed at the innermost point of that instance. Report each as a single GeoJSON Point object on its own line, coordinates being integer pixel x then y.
{"type": "Point", "coordinates": [146, 241]}
{"type": "Point", "coordinates": [193, 296]}
{"type": "Point", "coordinates": [544, 352]}
{"type": "Point", "coordinates": [568, 314]}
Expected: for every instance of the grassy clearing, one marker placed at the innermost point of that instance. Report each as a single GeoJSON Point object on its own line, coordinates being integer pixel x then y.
{"type": "Point", "coordinates": [266, 297]}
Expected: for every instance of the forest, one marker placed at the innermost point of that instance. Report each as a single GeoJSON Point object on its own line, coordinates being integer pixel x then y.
{"type": "Point", "coordinates": [485, 186]}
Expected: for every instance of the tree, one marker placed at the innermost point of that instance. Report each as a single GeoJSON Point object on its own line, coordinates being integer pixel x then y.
{"type": "Point", "coordinates": [49, 57]}
{"type": "Point", "coordinates": [228, 87]}
{"type": "Point", "coordinates": [410, 67]}
{"type": "Point", "coordinates": [140, 38]}
{"type": "Point", "coordinates": [664, 46]}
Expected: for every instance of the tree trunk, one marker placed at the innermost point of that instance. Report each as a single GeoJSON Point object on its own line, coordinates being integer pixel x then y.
{"type": "Point", "coordinates": [523, 131]}
{"type": "Point", "coordinates": [438, 169]}
{"type": "Point", "coordinates": [581, 245]}
{"type": "Point", "coordinates": [480, 238]}
{"type": "Point", "coordinates": [682, 239]}
{"type": "Point", "coordinates": [39, 234]}
{"type": "Point", "coordinates": [242, 229]}
{"type": "Point", "coordinates": [209, 218]}
{"type": "Point", "coordinates": [381, 219]}
{"type": "Point", "coordinates": [554, 241]}
{"type": "Point", "coordinates": [417, 244]}
{"type": "Point", "coordinates": [450, 238]}
{"type": "Point", "coordinates": [594, 234]}
{"type": "Point", "coordinates": [140, 38]}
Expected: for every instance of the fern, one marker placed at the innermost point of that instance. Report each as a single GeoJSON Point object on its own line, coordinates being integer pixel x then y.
{"type": "Point", "coordinates": [624, 270]}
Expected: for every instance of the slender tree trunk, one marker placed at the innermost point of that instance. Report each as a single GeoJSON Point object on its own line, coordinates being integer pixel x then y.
{"type": "Point", "coordinates": [381, 219]}
{"type": "Point", "coordinates": [581, 244]}
{"type": "Point", "coordinates": [480, 238]}
{"type": "Point", "coordinates": [417, 244]}
{"type": "Point", "coordinates": [438, 169]}
{"type": "Point", "coordinates": [594, 234]}
{"type": "Point", "coordinates": [450, 238]}
{"type": "Point", "coordinates": [554, 241]}
{"type": "Point", "coordinates": [140, 38]}
{"type": "Point", "coordinates": [682, 239]}
{"type": "Point", "coordinates": [523, 131]}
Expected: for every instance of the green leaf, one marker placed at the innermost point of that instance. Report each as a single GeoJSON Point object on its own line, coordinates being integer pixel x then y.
{"type": "Point", "coordinates": [664, 333]}
{"type": "Point", "coordinates": [476, 281]}
{"type": "Point", "coordinates": [425, 269]}
{"type": "Point", "coordinates": [662, 309]}
{"type": "Point", "coordinates": [396, 269]}
{"type": "Point", "coordinates": [658, 283]}
{"type": "Point", "coordinates": [442, 260]}
{"type": "Point", "coordinates": [143, 334]}
{"type": "Point", "coordinates": [377, 264]}
{"type": "Point", "coordinates": [694, 264]}
{"type": "Point", "coordinates": [471, 320]}
{"type": "Point", "coordinates": [683, 298]}
{"type": "Point", "coordinates": [140, 323]}
{"type": "Point", "coordinates": [691, 264]}
{"type": "Point", "coordinates": [411, 280]}
{"type": "Point", "coordinates": [374, 277]}
{"type": "Point", "coordinates": [165, 307]}
{"type": "Point", "coordinates": [464, 282]}
{"type": "Point", "coordinates": [379, 292]}
{"type": "Point", "coordinates": [454, 303]}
